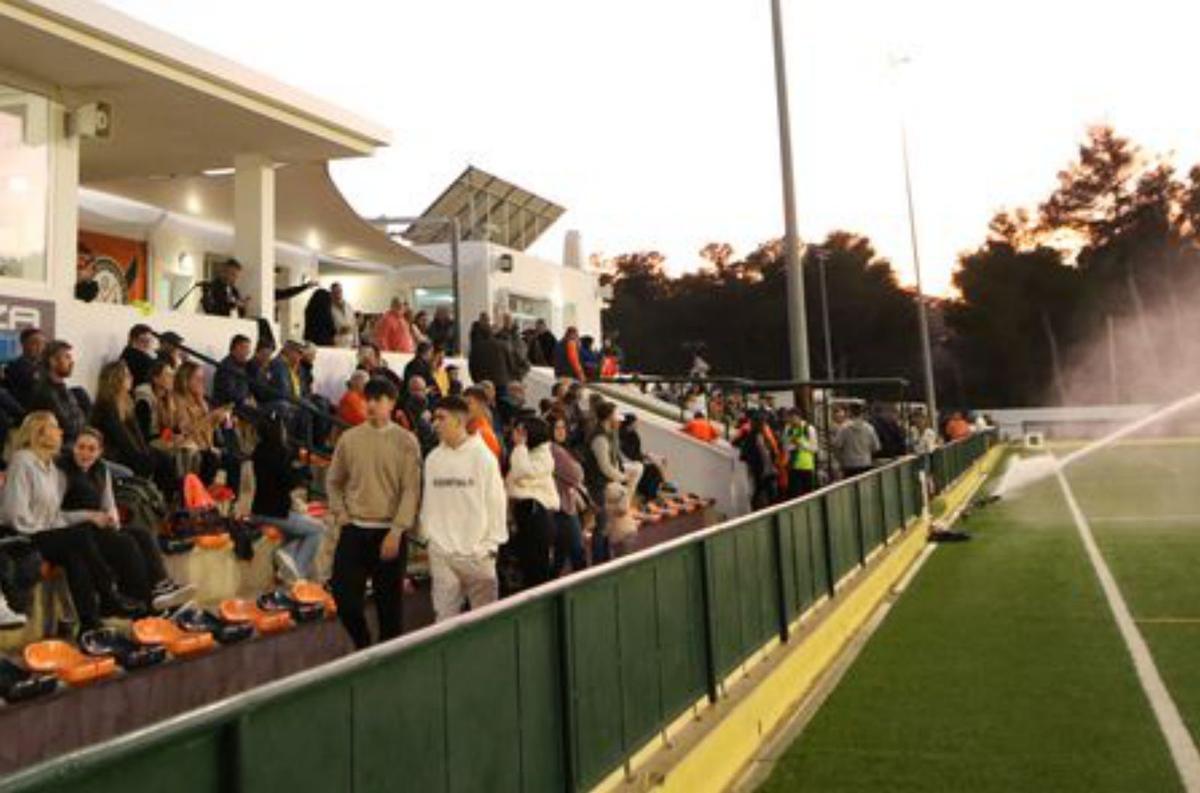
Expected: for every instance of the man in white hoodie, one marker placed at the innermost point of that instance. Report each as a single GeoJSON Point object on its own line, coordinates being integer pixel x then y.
{"type": "Point", "coordinates": [463, 514]}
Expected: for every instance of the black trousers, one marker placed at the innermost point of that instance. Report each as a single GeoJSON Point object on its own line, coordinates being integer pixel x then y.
{"type": "Point", "coordinates": [535, 528]}
{"type": "Point", "coordinates": [801, 482]}
{"type": "Point", "coordinates": [134, 558]}
{"type": "Point", "coordinates": [356, 560]}
{"type": "Point", "coordinates": [91, 583]}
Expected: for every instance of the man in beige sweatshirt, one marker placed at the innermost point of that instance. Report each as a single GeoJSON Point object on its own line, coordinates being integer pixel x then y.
{"type": "Point", "coordinates": [374, 485]}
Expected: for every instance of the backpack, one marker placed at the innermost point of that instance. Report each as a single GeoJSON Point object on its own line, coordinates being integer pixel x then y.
{"type": "Point", "coordinates": [20, 571]}
{"type": "Point", "coordinates": [140, 503]}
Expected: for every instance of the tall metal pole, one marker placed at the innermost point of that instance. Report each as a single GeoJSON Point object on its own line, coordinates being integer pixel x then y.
{"type": "Point", "coordinates": [822, 255]}
{"type": "Point", "coordinates": [922, 319]}
{"type": "Point", "coordinates": [797, 320]}
{"type": "Point", "coordinates": [456, 327]}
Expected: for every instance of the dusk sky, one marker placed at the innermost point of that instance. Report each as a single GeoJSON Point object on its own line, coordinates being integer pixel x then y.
{"type": "Point", "coordinates": [653, 122]}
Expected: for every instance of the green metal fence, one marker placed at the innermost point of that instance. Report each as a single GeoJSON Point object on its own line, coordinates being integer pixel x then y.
{"type": "Point", "coordinates": [550, 690]}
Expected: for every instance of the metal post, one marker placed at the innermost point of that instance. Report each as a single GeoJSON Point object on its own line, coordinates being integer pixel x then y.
{"type": "Point", "coordinates": [922, 319]}
{"type": "Point", "coordinates": [456, 328]}
{"type": "Point", "coordinates": [822, 255]}
{"type": "Point", "coordinates": [797, 320]}
{"type": "Point", "coordinates": [1114, 389]}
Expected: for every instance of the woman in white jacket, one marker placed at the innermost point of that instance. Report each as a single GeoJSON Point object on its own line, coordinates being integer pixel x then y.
{"type": "Point", "coordinates": [534, 495]}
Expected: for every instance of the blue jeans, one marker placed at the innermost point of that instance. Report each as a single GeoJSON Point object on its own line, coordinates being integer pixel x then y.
{"type": "Point", "coordinates": [302, 538]}
{"type": "Point", "coordinates": [568, 543]}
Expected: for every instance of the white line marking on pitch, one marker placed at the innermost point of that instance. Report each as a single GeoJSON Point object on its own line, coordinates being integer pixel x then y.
{"type": "Point", "coordinates": [1179, 740]}
{"type": "Point", "coordinates": [1177, 518]}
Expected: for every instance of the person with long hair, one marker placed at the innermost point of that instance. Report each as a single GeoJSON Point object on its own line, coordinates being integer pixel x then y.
{"type": "Point", "coordinates": [114, 415]}
{"type": "Point", "coordinates": [275, 477]}
{"type": "Point", "coordinates": [154, 404]}
{"type": "Point", "coordinates": [32, 504]}
{"type": "Point", "coordinates": [605, 467]}
{"type": "Point", "coordinates": [318, 319]}
{"type": "Point", "coordinates": [131, 552]}
{"type": "Point", "coordinates": [197, 423]}
{"type": "Point", "coordinates": [568, 478]}
{"type": "Point", "coordinates": [530, 484]}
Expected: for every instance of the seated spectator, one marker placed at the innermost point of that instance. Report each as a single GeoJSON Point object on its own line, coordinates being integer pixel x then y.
{"type": "Point", "coordinates": [701, 428]}
{"type": "Point", "coordinates": [131, 552]}
{"type": "Point", "coordinates": [855, 443]}
{"type": "Point", "coordinates": [416, 416]}
{"type": "Point", "coordinates": [440, 384]}
{"type": "Point", "coordinates": [479, 419]}
{"type": "Point", "coordinates": [114, 415]}
{"type": "Point", "coordinates": [258, 369]}
{"type": "Point", "coordinates": [603, 467]}
{"type": "Point", "coordinates": [631, 448]}
{"type": "Point", "coordinates": [454, 381]}
{"type": "Point", "coordinates": [169, 350]}
{"type": "Point", "coordinates": [197, 425]}
{"type": "Point", "coordinates": [138, 354]}
{"type": "Point", "coordinates": [276, 475]}
{"type": "Point", "coordinates": [231, 380]}
{"type": "Point", "coordinates": [154, 405]}
{"type": "Point", "coordinates": [32, 504]}
{"type": "Point", "coordinates": [421, 365]}
{"type": "Point", "coordinates": [352, 408]}
{"type": "Point", "coordinates": [23, 374]}
{"type": "Point", "coordinates": [530, 485]}
{"type": "Point", "coordinates": [52, 393]}
{"type": "Point", "coordinates": [372, 362]}
{"type": "Point", "coordinates": [392, 331]}
{"type": "Point", "coordinates": [87, 288]}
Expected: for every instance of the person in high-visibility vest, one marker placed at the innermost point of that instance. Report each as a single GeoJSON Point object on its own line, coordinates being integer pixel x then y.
{"type": "Point", "coordinates": [800, 441]}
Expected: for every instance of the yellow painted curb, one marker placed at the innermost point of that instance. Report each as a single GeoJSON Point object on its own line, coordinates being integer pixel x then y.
{"type": "Point", "coordinates": [717, 759]}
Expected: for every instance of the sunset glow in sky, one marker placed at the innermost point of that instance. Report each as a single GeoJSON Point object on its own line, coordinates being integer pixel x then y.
{"type": "Point", "coordinates": [653, 121]}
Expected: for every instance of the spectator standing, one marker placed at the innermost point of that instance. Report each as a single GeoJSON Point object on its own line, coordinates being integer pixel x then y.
{"type": "Point", "coordinates": [480, 419]}
{"type": "Point", "coordinates": [53, 394]}
{"type": "Point", "coordinates": [421, 364]}
{"type": "Point", "coordinates": [759, 456]}
{"type": "Point", "coordinates": [603, 467]}
{"type": "Point", "coordinates": [393, 332]}
{"type": "Point", "coordinates": [700, 366]}
{"type": "Point", "coordinates": [345, 322]}
{"type": "Point", "coordinates": [319, 327]}
{"type": "Point", "coordinates": [25, 372]}
{"type": "Point", "coordinates": [138, 354]}
{"type": "Point", "coordinates": [701, 428]}
{"type": "Point", "coordinates": [441, 329]}
{"type": "Point", "coordinates": [489, 358]}
{"type": "Point", "coordinates": [462, 514]}
{"type": "Point", "coordinates": [801, 444]}
{"type": "Point", "coordinates": [568, 361]}
{"type": "Point", "coordinates": [589, 356]}
{"type": "Point", "coordinates": [86, 287]}
{"type": "Point", "coordinates": [221, 297]}
{"type": "Point", "coordinates": [892, 443]}
{"type": "Point", "coordinates": [957, 427]}
{"type": "Point", "coordinates": [374, 484]}
{"type": "Point", "coordinates": [569, 480]}
{"type": "Point", "coordinates": [855, 443]}
{"type": "Point", "coordinates": [530, 484]}
{"type": "Point", "coordinates": [923, 437]}
{"type": "Point", "coordinates": [420, 327]}
{"type": "Point", "coordinates": [439, 372]}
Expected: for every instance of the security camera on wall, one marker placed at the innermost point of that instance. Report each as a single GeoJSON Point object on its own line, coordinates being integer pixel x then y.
{"type": "Point", "coordinates": [93, 120]}
{"type": "Point", "coordinates": [504, 263]}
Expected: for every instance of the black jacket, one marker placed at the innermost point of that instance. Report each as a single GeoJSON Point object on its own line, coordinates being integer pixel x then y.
{"type": "Point", "coordinates": [221, 299]}
{"type": "Point", "coordinates": [489, 360]}
{"type": "Point", "coordinates": [123, 440]}
{"type": "Point", "coordinates": [231, 382]}
{"type": "Point", "coordinates": [139, 364]}
{"type": "Point", "coordinates": [318, 319]}
{"type": "Point", "coordinates": [58, 399]}
{"type": "Point", "coordinates": [23, 376]}
{"type": "Point", "coordinates": [274, 480]}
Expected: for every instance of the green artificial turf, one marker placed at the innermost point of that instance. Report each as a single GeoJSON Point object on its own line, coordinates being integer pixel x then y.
{"type": "Point", "coordinates": [1000, 669]}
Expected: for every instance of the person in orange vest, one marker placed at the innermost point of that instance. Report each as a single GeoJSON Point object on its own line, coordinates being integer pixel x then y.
{"type": "Point", "coordinates": [957, 427]}
{"type": "Point", "coordinates": [701, 429]}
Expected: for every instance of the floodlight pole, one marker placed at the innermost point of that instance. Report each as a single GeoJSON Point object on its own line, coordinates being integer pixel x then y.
{"type": "Point", "coordinates": [822, 256]}
{"type": "Point", "coordinates": [922, 318]}
{"type": "Point", "coordinates": [455, 233]}
{"type": "Point", "coordinates": [797, 319]}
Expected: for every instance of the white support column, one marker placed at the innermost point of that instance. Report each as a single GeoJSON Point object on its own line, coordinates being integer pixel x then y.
{"type": "Point", "coordinates": [254, 231]}
{"type": "Point", "coordinates": [63, 228]}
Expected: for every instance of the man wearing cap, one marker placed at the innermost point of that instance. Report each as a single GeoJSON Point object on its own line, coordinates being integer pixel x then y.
{"type": "Point", "coordinates": [169, 351]}
{"type": "Point", "coordinates": [138, 354]}
{"type": "Point", "coordinates": [221, 296]}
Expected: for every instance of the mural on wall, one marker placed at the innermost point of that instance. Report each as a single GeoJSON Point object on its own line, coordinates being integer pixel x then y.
{"type": "Point", "coordinates": [121, 266]}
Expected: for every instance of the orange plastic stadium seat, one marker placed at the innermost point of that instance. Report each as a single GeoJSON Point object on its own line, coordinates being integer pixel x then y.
{"type": "Point", "coordinates": [265, 622]}
{"type": "Point", "coordinates": [214, 542]}
{"type": "Point", "coordinates": [181, 643]}
{"type": "Point", "coordinates": [62, 659]}
{"type": "Point", "coordinates": [195, 495]}
{"type": "Point", "coordinates": [317, 509]}
{"type": "Point", "coordinates": [312, 592]}
{"type": "Point", "coordinates": [222, 494]}
{"type": "Point", "coordinates": [272, 533]}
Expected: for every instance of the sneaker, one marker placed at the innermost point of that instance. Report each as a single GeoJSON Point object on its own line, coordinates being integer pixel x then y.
{"type": "Point", "coordinates": [168, 594]}
{"type": "Point", "coordinates": [289, 571]}
{"type": "Point", "coordinates": [122, 607]}
{"type": "Point", "coordinates": [10, 618]}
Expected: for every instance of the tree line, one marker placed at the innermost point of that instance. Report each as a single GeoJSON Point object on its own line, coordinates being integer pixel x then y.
{"type": "Point", "coordinates": [1088, 297]}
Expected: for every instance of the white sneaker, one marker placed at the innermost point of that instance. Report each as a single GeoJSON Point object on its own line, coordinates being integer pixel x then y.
{"type": "Point", "coordinates": [289, 571]}
{"type": "Point", "coordinates": [10, 618]}
{"type": "Point", "coordinates": [172, 595]}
